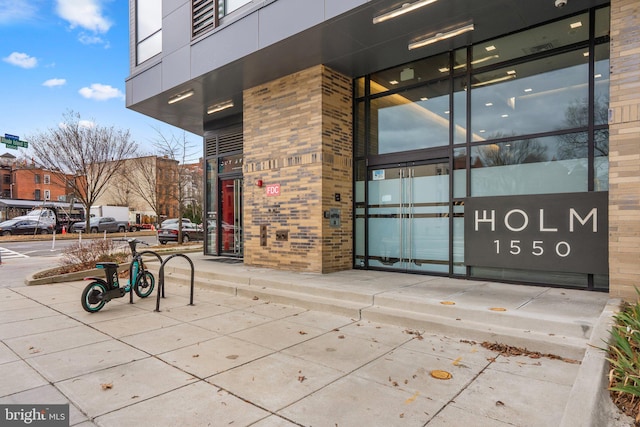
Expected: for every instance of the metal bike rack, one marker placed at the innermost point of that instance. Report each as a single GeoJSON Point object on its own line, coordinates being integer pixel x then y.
{"type": "Point", "coordinates": [161, 278]}
{"type": "Point", "coordinates": [131, 271]}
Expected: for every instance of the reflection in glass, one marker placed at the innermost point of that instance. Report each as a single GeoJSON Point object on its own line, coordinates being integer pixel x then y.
{"type": "Point", "coordinates": [578, 280]}
{"type": "Point", "coordinates": [529, 98]}
{"type": "Point", "coordinates": [231, 5]}
{"type": "Point", "coordinates": [212, 208]}
{"type": "Point", "coordinates": [411, 120]}
{"type": "Point", "coordinates": [150, 47]}
{"type": "Point", "coordinates": [459, 172]}
{"type": "Point", "coordinates": [556, 164]}
{"type": "Point", "coordinates": [551, 36]}
{"type": "Point", "coordinates": [460, 110]}
{"type": "Point", "coordinates": [601, 81]}
{"type": "Point", "coordinates": [410, 74]}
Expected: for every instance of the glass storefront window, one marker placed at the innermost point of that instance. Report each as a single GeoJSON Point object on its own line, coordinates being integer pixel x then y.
{"type": "Point", "coordinates": [601, 85]}
{"type": "Point", "coordinates": [460, 110]}
{"type": "Point", "coordinates": [459, 173]}
{"type": "Point", "coordinates": [555, 164]}
{"type": "Point", "coordinates": [410, 74]}
{"type": "Point", "coordinates": [547, 37]}
{"type": "Point", "coordinates": [537, 96]}
{"type": "Point", "coordinates": [411, 120]}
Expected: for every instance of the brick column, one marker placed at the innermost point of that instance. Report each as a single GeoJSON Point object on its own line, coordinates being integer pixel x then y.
{"type": "Point", "coordinates": [624, 150]}
{"type": "Point", "coordinates": [298, 134]}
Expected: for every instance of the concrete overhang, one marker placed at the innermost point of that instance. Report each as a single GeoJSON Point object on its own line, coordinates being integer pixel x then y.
{"type": "Point", "coordinates": [349, 43]}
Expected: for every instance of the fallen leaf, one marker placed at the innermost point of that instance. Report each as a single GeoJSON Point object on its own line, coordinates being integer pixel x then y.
{"type": "Point", "coordinates": [256, 298]}
{"type": "Point", "coordinates": [196, 355]}
{"type": "Point", "coordinates": [135, 396]}
{"type": "Point", "coordinates": [412, 398]}
{"type": "Point", "coordinates": [341, 337]}
{"type": "Point", "coordinates": [107, 386]}
{"type": "Point", "coordinates": [497, 309]}
{"type": "Point", "coordinates": [441, 375]}
{"type": "Point", "coordinates": [302, 332]}
{"type": "Point", "coordinates": [447, 303]}
{"type": "Point", "coordinates": [301, 378]}
{"type": "Point", "coordinates": [232, 356]}
{"type": "Point", "coordinates": [499, 403]}
{"type": "Point", "coordinates": [402, 415]}
{"type": "Point", "coordinates": [457, 361]}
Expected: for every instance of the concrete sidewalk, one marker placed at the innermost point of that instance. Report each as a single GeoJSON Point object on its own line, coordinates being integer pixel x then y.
{"type": "Point", "coordinates": [242, 356]}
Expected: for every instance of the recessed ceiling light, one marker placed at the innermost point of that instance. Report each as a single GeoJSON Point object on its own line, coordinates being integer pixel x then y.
{"type": "Point", "coordinates": [490, 48]}
{"type": "Point", "coordinates": [488, 104]}
{"type": "Point", "coordinates": [511, 72]}
{"type": "Point", "coordinates": [220, 106]}
{"type": "Point", "coordinates": [443, 70]}
{"type": "Point", "coordinates": [597, 76]}
{"type": "Point", "coordinates": [181, 96]}
{"type": "Point", "coordinates": [440, 36]}
{"type": "Point", "coordinates": [393, 82]}
{"type": "Point", "coordinates": [405, 8]}
{"type": "Point", "coordinates": [447, 112]}
{"type": "Point", "coordinates": [504, 116]}
{"type": "Point", "coordinates": [576, 24]}
{"type": "Point", "coordinates": [424, 98]}
{"type": "Point", "coordinates": [482, 131]}
{"type": "Point", "coordinates": [528, 90]}
{"type": "Point", "coordinates": [585, 54]}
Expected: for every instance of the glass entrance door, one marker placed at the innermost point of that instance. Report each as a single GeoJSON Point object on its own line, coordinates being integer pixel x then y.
{"type": "Point", "coordinates": [408, 217]}
{"type": "Point", "coordinates": [231, 238]}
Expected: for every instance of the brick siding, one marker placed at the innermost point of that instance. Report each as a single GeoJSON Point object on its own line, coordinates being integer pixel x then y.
{"type": "Point", "coordinates": [624, 152]}
{"type": "Point", "coordinates": [298, 133]}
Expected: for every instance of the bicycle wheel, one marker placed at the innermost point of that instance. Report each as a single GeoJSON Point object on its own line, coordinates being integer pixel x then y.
{"type": "Point", "coordinates": [92, 297]}
{"type": "Point", "coordinates": [144, 284]}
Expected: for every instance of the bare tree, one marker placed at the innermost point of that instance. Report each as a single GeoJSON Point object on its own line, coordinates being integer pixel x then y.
{"type": "Point", "coordinates": [178, 149]}
{"type": "Point", "coordinates": [141, 175]}
{"type": "Point", "coordinates": [90, 154]}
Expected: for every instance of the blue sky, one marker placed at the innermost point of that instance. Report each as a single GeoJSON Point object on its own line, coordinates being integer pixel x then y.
{"type": "Point", "coordinates": [58, 56]}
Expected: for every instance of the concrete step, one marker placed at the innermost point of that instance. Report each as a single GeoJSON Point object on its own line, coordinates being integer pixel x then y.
{"type": "Point", "coordinates": [561, 336]}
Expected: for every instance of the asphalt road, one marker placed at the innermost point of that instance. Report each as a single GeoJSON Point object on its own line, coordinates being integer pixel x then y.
{"type": "Point", "coordinates": [19, 259]}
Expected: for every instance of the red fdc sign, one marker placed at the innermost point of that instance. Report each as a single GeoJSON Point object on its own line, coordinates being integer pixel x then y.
{"type": "Point", "coordinates": [273, 190]}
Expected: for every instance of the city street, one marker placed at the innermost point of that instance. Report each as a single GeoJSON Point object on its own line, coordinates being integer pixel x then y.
{"type": "Point", "coordinates": [22, 258]}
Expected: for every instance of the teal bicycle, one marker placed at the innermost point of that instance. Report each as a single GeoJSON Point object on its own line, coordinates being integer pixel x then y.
{"type": "Point", "coordinates": [100, 291]}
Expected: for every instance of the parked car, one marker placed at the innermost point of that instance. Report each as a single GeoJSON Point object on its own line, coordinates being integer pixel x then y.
{"type": "Point", "coordinates": [25, 226]}
{"type": "Point", "coordinates": [190, 231]}
{"type": "Point", "coordinates": [174, 221]}
{"type": "Point", "coordinates": [99, 224]}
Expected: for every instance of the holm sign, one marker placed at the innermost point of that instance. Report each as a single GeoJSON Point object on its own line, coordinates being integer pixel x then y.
{"type": "Point", "coordinates": [273, 190]}
{"type": "Point", "coordinates": [551, 232]}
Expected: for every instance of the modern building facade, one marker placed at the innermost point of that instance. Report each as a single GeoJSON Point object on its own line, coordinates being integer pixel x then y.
{"type": "Point", "coordinates": [493, 140]}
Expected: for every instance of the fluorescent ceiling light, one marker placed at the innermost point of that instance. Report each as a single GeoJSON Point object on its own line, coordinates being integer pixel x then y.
{"type": "Point", "coordinates": [393, 82]}
{"type": "Point", "coordinates": [219, 107]}
{"type": "Point", "coordinates": [405, 8]}
{"type": "Point", "coordinates": [576, 24]}
{"type": "Point", "coordinates": [441, 36]}
{"type": "Point", "coordinates": [528, 90]}
{"type": "Point", "coordinates": [181, 96]}
{"type": "Point", "coordinates": [490, 48]}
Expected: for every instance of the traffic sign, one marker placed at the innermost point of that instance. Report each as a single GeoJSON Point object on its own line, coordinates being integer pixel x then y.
{"type": "Point", "coordinates": [9, 136]}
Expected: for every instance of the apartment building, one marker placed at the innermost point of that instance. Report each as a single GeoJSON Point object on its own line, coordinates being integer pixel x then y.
{"type": "Point", "coordinates": [492, 140]}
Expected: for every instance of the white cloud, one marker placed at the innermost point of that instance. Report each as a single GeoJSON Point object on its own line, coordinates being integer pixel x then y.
{"type": "Point", "coordinates": [100, 92]}
{"type": "Point", "coordinates": [21, 60]}
{"type": "Point", "coordinates": [54, 82]}
{"type": "Point", "coordinates": [12, 11]}
{"type": "Point", "coordinates": [85, 14]}
{"type": "Point", "coordinates": [90, 39]}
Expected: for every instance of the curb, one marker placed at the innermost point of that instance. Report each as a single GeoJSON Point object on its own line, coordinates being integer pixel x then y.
{"type": "Point", "coordinates": [589, 402]}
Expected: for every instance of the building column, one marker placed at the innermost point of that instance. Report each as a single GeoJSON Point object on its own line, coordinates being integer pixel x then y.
{"type": "Point", "coordinates": [624, 150]}
{"type": "Point", "coordinates": [298, 168]}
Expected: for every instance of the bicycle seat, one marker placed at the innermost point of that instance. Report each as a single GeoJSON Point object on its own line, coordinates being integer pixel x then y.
{"type": "Point", "coordinates": [106, 265]}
